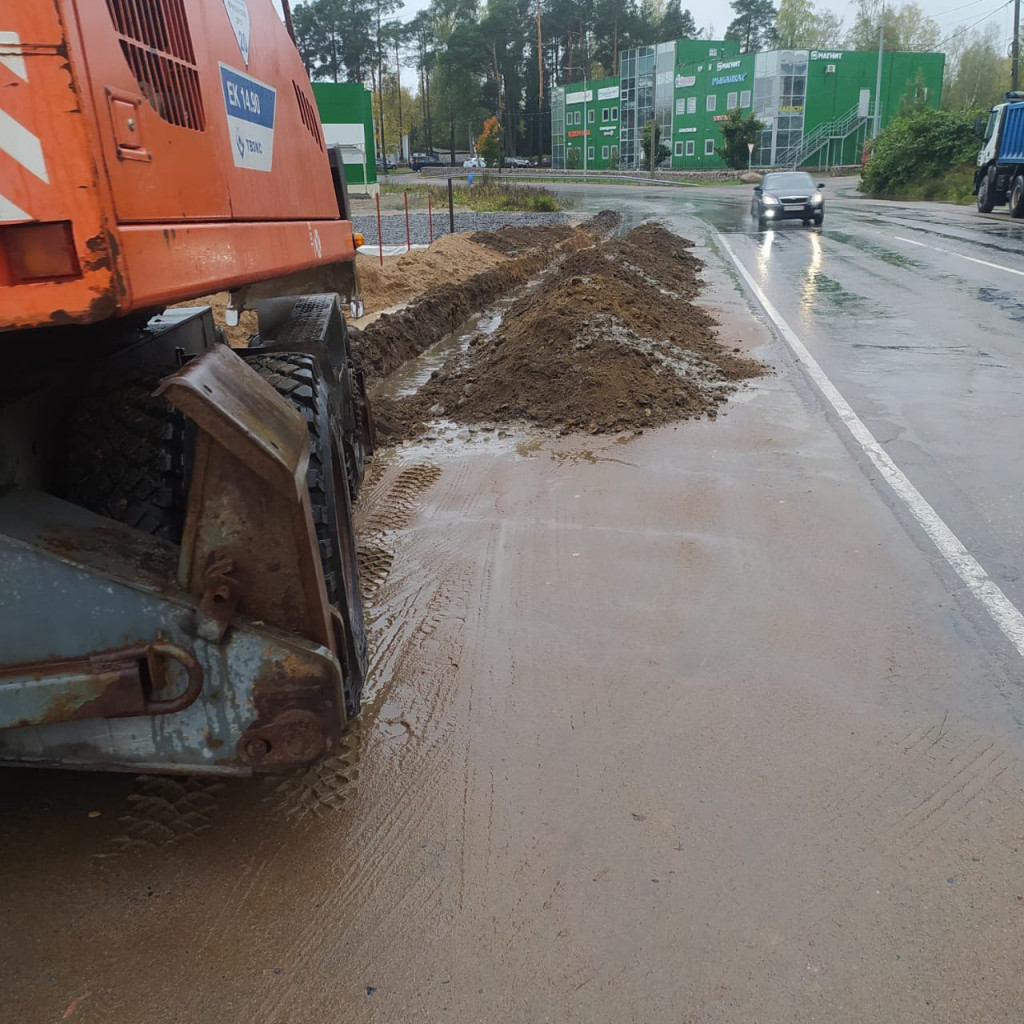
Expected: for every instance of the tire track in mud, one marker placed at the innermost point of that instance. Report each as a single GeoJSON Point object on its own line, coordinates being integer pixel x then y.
{"type": "Point", "coordinates": [166, 810]}
{"type": "Point", "coordinates": [418, 633]}
{"type": "Point", "coordinates": [323, 787]}
{"type": "Point", "coordinates": [933, 784]}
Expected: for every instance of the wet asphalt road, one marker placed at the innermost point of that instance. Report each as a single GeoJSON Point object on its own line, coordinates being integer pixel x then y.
{"type": "Point", "coordinates": [916, 314]}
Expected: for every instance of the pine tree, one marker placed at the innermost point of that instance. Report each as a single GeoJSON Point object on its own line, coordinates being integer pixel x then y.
{"type": "Point", "coordinates": [754, 25]}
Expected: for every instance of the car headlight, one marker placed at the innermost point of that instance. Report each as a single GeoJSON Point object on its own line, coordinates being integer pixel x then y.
{"type": "Point", "coordinates": [770, 201]}
{"type": "Point", "coordinates": [816, 199]}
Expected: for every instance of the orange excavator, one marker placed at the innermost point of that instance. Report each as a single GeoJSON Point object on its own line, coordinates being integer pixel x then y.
{"type": "Point", "coordinates": [178, 581]}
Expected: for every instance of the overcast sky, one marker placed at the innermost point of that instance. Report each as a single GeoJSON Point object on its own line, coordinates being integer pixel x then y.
{"type": "Point", "coordinates": [950, 14]}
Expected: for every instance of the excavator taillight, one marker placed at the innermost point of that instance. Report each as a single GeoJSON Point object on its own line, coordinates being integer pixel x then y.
{"type": "Point", "coordinates": [40, 252]}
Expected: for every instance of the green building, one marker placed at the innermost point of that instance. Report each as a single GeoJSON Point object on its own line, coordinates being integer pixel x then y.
{"type": "Point", "coordinates": [592, 125]}
{"type": "Point", "coordinates": [817, 107]}
{"type": "Point", "coordinates": [346, 112]}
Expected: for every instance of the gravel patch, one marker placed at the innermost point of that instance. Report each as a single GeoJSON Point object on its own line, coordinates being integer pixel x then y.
{"type": "Point", "coordinates": [393, 225]}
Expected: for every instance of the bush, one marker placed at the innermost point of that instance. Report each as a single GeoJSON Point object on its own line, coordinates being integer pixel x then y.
{"type": "Point", "coordinates": [917, 151]}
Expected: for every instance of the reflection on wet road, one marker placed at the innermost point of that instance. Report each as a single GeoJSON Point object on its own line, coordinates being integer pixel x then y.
{"type": "Point", "coordinates": [915, 317]}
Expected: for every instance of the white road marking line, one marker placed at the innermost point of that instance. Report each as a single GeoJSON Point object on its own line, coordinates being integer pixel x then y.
{"type": "Point", "coordinates": [1003, 612]}
{"type": "Point", "coordinates": [950, 252]}
{"type": "Point", "coordinates": [20, 143]}
{"type": "Point", "coordinates": [985, 263]}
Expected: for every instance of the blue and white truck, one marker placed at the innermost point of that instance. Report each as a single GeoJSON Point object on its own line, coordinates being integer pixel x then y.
{"type": "Point", "coordinates": [999, 178]}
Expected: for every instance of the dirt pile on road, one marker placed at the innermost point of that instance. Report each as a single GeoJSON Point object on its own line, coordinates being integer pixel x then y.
{"type": "Point", "coordinates": [611, 341]}
{"type": "Point", "coordinates": [450, 259]}
{"type": "Point", "coordinates": [515, 241]}
{"type": "Point", "coordinates": [393, 338]}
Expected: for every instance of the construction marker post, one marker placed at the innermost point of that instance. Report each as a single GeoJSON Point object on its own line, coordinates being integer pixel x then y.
{"type": "Point", "coordinates": [430, 215]}
{"type": "Point", "coordinates": [451, 208]}
{"type": "Point", "coordinates": [408, 233]}
{"type": "Point", "coordinates": [380, 234]}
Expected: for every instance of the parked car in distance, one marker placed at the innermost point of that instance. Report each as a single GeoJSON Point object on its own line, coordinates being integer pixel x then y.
{"type": "Point", "coordinates": [544, 161]}
{"type": "Point", "coordinates": [474, 161]}
{"type": "Point", "coordinates": [517, 161]}
{"type": "Point", "coordinates": [419, 160]}
{"type": "Point", "coordinates": [787, 195]}
{"type": "Point", "coordinates": [391, 164]}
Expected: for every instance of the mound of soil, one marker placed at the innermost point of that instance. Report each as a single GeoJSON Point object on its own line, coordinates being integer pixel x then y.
{"type": "Point", "coordinates": [516, 241]}
{"type": "Point", "coordinates": [450, 259]}
{"type": "Point", "coordinates": [612, 341]}
{"type": "Point", "coordinates": [393, 338]}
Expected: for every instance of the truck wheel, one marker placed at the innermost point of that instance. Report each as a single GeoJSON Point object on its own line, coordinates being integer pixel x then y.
{"type": "Point", "coordinates": [297, 378]}
{"type": "Point", "coordinates": [129, 456]}
{"type": "Point", "coordinates": [985, 204]}
{"type": "Point", "coordinates": [1017, 197]}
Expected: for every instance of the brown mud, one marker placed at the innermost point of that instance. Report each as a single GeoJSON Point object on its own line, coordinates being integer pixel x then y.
{"type": "Point", "coordinates": [394, 338]}
{"type": "Point", "coordinates": [611, 341]}
{"type": "Point", "coordinates": [449, 260]}
{"type": "Point", "coordinates": [514, 241]}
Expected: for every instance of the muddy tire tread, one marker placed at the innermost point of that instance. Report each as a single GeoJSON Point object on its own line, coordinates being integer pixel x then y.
{"type": "Point", "coordinates": [127, 457]}
{"type": "Point", "coordinates": [296, 377]}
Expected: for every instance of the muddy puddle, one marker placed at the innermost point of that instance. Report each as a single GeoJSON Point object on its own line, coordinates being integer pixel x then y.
{"type": "Point", "coordinates": [412, 375]}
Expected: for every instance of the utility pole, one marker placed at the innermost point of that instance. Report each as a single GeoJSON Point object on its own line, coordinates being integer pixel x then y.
{"type": "Point", "coordinates": [540, 62]}
{"type": "Point", "coordinates": [540, 87]}
{"type": "Point", "coordinates": [1015, 49]}
{"type": "Point", "coordinates": [380, 94]}
{"type": "Point", "coordinates": [878, 76]}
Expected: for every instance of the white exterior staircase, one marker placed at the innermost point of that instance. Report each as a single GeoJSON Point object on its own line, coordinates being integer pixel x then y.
{"type": "Point", "coordinates": [832, 131]}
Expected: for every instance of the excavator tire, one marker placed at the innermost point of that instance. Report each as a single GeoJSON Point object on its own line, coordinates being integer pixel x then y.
{"type": "Point", "coordinates": [129, 455]}
{"type": "Point", "coordinates": [297, 378]}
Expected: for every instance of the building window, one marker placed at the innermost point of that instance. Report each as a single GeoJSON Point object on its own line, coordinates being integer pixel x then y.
{"type": "Point", "coordinates": [590, 116]}
{"type": "Point", "coordinates": [604, 152]}
{"type": "Point", "coordinates": [590, 152]}
{"type": "Point", "coordinates": [606, 114]}
{"type": "Point", "coordinates": [615, 113]}
{"type": "Point", "coordinates": [711, 101]}
{"type": "Point", "coordinates": [709, 147]}
{"type": "Point", "coordinates": [745, 98]}
{"type": "Point", "coordinates": [690, 147]}
{"type": "Point", "coordinates": [730, 102]}
{"type": "Point", "coordinates": [679, 149]}
{"type": "Point", "coordinates": [691, 104]}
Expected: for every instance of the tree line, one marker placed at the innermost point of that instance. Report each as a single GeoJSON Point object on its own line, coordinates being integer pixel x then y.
{"type": "Point", "coordinates": [500, 58]}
